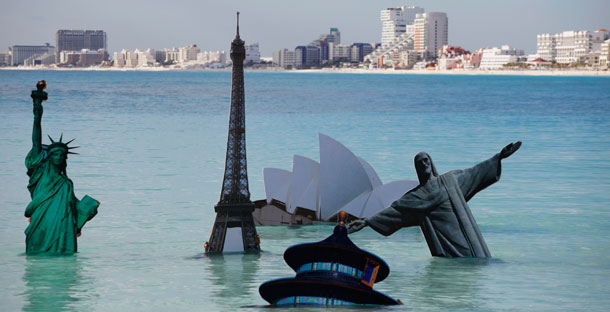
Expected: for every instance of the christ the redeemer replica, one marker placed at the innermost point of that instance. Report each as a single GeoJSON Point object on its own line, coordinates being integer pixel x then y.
{"type": "Point", "coordinates": [439, 206]}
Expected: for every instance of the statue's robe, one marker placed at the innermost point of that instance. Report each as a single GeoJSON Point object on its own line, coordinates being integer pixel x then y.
{"type": "Point", "coordinates": [439, 207]}
{"type": "Point", "coordinates": [53, 228]}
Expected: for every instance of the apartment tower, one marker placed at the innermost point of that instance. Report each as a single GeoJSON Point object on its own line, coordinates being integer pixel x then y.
{"type": "Point", "coordinates": [395, 20]}
{"type": "Point", "coordinates": [431, 33]}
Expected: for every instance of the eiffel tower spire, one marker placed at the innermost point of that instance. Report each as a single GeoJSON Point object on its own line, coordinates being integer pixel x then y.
{"type": "Point", "coordinates": [235, 183]}
{"type": "Point", "coordinates": [234, 209]}
{"type": "Point", "coordinates": [237, 32]}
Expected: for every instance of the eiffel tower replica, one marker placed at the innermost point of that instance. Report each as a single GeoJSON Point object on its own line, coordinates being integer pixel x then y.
{"type": "Point", "coordinates": [234, 210]}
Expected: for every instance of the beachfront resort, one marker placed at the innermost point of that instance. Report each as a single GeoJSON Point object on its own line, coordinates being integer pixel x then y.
{"type": "Point", "coordinates": [412, 40]}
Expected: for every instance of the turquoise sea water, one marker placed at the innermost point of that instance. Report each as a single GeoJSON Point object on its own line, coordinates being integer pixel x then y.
{"type": "Point", "coordinates": [153, 148]}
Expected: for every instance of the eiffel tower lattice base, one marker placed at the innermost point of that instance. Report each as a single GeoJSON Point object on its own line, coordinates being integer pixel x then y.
{"type": "Point", "coordinates": [233, 216]}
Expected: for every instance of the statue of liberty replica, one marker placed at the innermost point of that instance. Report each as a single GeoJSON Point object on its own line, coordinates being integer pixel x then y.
{"type": "Point", "coordinates": [56, 216]}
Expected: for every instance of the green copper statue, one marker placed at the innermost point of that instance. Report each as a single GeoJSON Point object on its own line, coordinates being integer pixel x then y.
{"type": "Point", "coordinates": [56, 215]}
{"type": "Point", "coordinates": [438, 205]}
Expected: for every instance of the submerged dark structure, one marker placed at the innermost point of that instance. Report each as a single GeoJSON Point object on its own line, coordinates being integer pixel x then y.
{"type": "Point", "coordinates": [330, 272]}
{"type": "Point", "coordinates": [234, 210]}
{"type": "Point", "coordinates": [438, 205]}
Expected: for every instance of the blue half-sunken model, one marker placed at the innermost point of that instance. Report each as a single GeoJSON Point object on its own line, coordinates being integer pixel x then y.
{"type": "Point", "coordinates": [330, 272]}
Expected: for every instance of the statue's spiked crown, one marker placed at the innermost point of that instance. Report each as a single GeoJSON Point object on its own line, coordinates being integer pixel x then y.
{"type": "Point", "coordinates": [61, 145]}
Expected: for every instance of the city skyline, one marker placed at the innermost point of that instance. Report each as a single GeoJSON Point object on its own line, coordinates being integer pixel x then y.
{"type": "Point", "coordinates": [277, 24]}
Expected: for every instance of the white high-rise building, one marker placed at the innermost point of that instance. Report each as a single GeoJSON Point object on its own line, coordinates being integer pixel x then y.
{"type": "Point", "coordinates": [136, 58]}
{"type": "Point", "coordinates": [495, 58]}
{"type": "Point", "coordinates": [120, 58]}
{"type": "Point", "coordinates": [253, 54]}
{"type": "Point", "coordinates": [82, 58]}
{"type": "Point", "coordinates": [431, 33]}
{"type": "Point", "coordinates": [411, 29]}
{"type": "Point", "coordinates": [172, 55]}
{"type": "Point", "coordinates": [40, 59]}
{"type": "Point", "coordinates": [546, 47]}
{"type": "Point", "coordinates": [335, 36]}
{"type": "Point", "coordinates": [604, 57]}
{"type": "Point", "coordinates": [132, 58]}
{"type": "Point", "coordinates": [568, 46]}
{"type": "Point", "coordinates": [284, 58]}
{"type": "Point", "coordinates": [212, 57]}
{"type": "Point", "coordinates": [188, 53]}
{"type": "Point", "coordinates": [5, 58]}
{"type": "Point", "coordinates": [339, 52]}
{"type": "Point", "coordinates": [395, 20]}
{"type": "Point", "coordinates": [571, 45]}
{"type": "Point", "coordinates": [22, 52]}
{"type": "Point", "coordinates": [406, 59]}
{"type": "Point", "coordinates": [598, 38]}
{"type": "Point", "coordinates": [145, 58]}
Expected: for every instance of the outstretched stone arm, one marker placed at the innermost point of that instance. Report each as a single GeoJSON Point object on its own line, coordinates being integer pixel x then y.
{"type": "Point", "coordinates": [510, 149]}
{"type": "Point", "coordinates": [356, 226]}
{"type": "Point", "coordinates": [475, 179]}
{"type": "Point", "coordinates": [37, 97]}
{"type": "Point", "coordinates": [403, 212]}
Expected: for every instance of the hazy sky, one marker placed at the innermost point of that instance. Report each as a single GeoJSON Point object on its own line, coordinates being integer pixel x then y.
{"type": "Point", "coordinates": [277, 24]}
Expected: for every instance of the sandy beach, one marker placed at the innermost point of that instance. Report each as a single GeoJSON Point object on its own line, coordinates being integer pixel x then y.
{"type": "Point", "coordinates": [530, 72]}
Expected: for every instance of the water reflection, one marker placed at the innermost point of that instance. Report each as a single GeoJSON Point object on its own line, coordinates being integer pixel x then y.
{"type": "Point", "coordinates": [51, 283]}
{"type": "Point", "coordinates": [452, 283]}
{"type": "Point", "coordinates": [234, 277]}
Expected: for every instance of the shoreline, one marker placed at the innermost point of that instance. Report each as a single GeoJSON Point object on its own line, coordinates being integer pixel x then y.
{"type": "Point", "coordinates": [472, 72]}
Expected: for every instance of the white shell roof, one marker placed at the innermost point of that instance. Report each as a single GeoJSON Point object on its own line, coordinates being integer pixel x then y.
{"type": "Point", "coordinates": [373, 177]}
{"type": "Point", "coordinates": [305, 175]}
{"type": "Point", "coordinates": [342, 176]}
{"type": "Point", "coordinates": [277, 182]}
{"type": "Point", "coordinates": [341, 181]}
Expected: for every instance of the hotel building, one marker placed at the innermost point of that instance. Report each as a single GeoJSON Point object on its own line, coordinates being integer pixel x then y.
{"type": "Point", "coordinates": [253, 54]}
{"type": "Point", "coordinates": [570, 46]}
{"type": "Point", "coordinates": [284, 58]}
{"type": "Point", "coordinates": [5, 58]}
{"type": "Point", "coordinates": [83, 58]}
{"type": "Point", "coordinates": [23, 52]}
{"type": "Point", "coordinates": [496, 58]}
{"type": "Point", "coordinates": [339, 52]}
{"type": "Point", "coordinates": [431, 33]}
{"type": "Point", "coordinates": [45, 59]}
{"type": "Point", "coordinates": [172, 55]}
{"type": "Point", "coordinates": [604, 58]}
{"type": "Point", "coordinates": [359, 51]}
{"type": "Point", "coordinates": [324, 42]}
{"type": "Point", "coordinates": [307, 56]}
{"type": "Point", "coordinates": [188, 53]}
{"type": "Point", "coordinates": [334, 36]}
{"type": "Point", "coordinates": [396, 20]}
{"type": "Point", "coordinates": [77, 40]}
{"type": "Point", "coordinates": [219, 57]}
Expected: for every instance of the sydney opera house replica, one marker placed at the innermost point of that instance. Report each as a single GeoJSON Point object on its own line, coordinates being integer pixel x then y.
{"type": "Point", "coordinates": [316, 192]}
